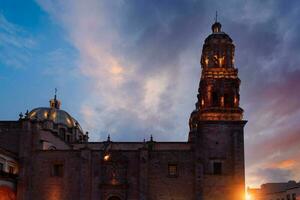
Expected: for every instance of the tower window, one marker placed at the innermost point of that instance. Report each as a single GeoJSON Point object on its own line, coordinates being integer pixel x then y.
{"type": "Point", "coordinates": [57, 170]}
{"type": "Point", "coordinates": [217, 168]}
{"type": "Point", "coordinates": [228, 100]}
{"type": "Point", "coordinates": [172, 170]}
{"type": "Point", "coordinates": [215, 99]}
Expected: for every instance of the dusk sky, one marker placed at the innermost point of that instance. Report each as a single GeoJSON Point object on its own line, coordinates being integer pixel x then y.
{"type": "Point", "coordinates": [131, 69]}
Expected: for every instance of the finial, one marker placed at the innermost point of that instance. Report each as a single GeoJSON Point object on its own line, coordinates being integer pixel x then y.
{"type": "Point", "coordinates": [86, 136]}
{"type": "Point", "coordinates": [54, 103]}
{"type": "Point", "coordinates": [151, 138]}
{"type": "Point", "coordinates": [55, 92]}
{"type": "Point", "coordinates": [20, 115]}
{"type": "Point", "coordinates": [108, 138]}
{"type": "Point", "coordinates": [216, 27]}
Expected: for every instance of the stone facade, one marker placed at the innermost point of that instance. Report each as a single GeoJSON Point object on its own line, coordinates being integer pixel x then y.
{"type": "Point", "coordinates": [56, 161]}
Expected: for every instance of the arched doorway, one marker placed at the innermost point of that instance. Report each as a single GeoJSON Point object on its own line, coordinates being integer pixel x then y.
{"type": "Point", "coordinates": [114, 198]}
{"type": "Point", "coordinates": [6, 193]}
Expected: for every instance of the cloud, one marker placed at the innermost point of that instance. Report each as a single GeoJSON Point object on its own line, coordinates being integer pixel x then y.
{"type": "Point", "coordinates": [273, 175]}
{"type": "Point", "coordinates": [137, 79]}
{"type": "Point", "coordinates": [15, 44]}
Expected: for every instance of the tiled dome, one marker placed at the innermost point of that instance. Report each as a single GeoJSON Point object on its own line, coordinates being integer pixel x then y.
{"type": "Point", "coordinates": [54, 114]}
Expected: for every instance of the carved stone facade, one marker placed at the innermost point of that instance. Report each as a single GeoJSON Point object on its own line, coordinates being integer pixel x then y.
{"type": "Point", "coordinates": [56, 161]}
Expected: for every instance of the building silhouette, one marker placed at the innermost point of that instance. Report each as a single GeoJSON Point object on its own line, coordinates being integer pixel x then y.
{"type": "Point", "coordinates": [45, 155]}
{"type": "Point", "coordinates": [276, 191]}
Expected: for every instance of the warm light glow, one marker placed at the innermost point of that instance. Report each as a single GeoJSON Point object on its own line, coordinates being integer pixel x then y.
{"type": "Point", "coordinates": [235, 100]}
{"type": "Point", "coordinates": [53, 115]}
{"type": "Point", "coordinates": [116, 70]}
{"type": "Point", "coordinates": [202, 102]}
{"type": "Point", "coordinates": [45, 114]}
{"type": "Point", "coordinates": [206, 61]}
{"type": "Point", "coordinates": [221, 61]}
{"type": "Point", "coordinates": [68, 121]}
{"type": "Point", "coordinates": [248, 197]}
{"type": "Point", "coordinates": [32, 114]}
{"type": "Point", "coordinates": [285, 164]}
{"type": "Point", "coordinates": [7, 193]}
{"type": "Point", "coordinates": [222, 101]}
{"type": "Point", "coordinates": [106, 157]}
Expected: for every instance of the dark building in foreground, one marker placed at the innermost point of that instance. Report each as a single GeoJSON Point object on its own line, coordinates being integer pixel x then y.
{"type": "Point", "coordinates": [276, 191]}
{"type": "Point", "coordinates": [47, 155]}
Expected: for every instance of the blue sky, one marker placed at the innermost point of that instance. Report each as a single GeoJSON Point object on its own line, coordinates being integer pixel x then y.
{"type": "Point", "coordinates": [131, 69]}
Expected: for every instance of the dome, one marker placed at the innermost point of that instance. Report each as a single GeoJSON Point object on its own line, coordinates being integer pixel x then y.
{"type": "Point", "coordinates": [217, 34]}
{"type": "Point", "coordinates": [54, 114]}
{"type": "Point", "coordinates": [218, 50]}
{"type": "Point", "coordinates": [220, 36]}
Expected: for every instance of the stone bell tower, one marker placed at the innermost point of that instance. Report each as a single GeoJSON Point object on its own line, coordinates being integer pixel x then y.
{"type": "Point", "coordinates": [216, 125]}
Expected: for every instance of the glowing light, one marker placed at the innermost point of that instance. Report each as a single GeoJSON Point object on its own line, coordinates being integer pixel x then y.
{"type": "Point", "coordinates": [202, 102]}
{"type": "Point", "coordinates": [221, 61]}
{"type": "Point", "coordinates": [106, 157]}
{"type": "Point", "coordinates": [45, 114]}
{"type": "Point", "coordinates": [235, 100]}
{"type": "Point", "coordinates": [32, 114]}
{"type": "Point", "coordinates": [206, 61]}
{"type": "Point", "coordinates": [68, 121]}
{"type": "Point", "coordinates": [248, 197]}
{"type": "Point", "coordinates": [53, 115]}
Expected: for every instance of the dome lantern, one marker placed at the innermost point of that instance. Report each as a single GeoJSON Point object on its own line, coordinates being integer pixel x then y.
{"type": "Point", "coordinates": [54, 103]}
{"type": "Point", "coordinates": [216, 27]}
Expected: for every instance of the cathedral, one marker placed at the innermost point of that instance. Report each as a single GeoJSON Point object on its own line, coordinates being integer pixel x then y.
{"type": "Point", "coordinates": [45, 154]}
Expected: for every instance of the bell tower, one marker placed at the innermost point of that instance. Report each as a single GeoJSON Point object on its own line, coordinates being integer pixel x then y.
{"type": "Point", "coordinates": [218, 93]}
{"type": "Point", "coordinates": [216, 124]}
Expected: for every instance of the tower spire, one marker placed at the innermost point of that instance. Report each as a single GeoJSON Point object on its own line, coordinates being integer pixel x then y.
{"type": "Point", "coordinates": [216, 17]}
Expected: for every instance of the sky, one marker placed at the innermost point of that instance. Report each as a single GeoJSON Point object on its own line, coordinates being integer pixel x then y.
{"type": "Point", "coordinates": [131, 69]}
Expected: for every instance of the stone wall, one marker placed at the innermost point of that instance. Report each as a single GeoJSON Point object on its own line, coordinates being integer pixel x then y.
{"type": "Point", "coordinates": [164, 187]}
{"type": "Point", "coordinates": [220, 141]}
